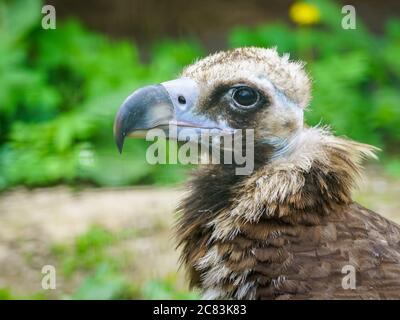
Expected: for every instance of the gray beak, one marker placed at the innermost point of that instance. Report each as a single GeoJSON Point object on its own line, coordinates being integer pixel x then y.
{"type": "Point", "coordinates": [160, 106]}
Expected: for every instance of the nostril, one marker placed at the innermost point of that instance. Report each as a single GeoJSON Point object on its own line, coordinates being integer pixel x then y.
{"type": "Point", "coordinates": [181, 100]}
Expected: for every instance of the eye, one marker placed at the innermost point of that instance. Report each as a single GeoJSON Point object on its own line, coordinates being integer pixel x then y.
{"type": "Point", "coordinates": [245, 96]}
{"type": "Point", "coordinates": [181, 99]}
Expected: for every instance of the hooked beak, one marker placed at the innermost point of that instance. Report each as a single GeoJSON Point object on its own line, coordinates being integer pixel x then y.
{"type": "Point", "coordinates": [160, 106]}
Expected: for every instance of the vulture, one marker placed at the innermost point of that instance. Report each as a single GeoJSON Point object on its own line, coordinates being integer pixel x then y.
{"type": "Point", "coordinates": [288, 229]}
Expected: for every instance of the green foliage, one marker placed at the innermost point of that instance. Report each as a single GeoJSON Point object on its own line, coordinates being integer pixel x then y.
{"type": "Point", "coordinates": [7, 294]}
{"type": "Point", "coordinates": [88, 251]}
{"type": "Point", "coordinates": [165, 289]}
{"type": "Point", "coordinates": [104, 271]}
{"type": "Point", "coordinates": [356, 74]}
{"type": "Point", "coordinates": [90, 255]}
{"type": "Point", "coordinates": [105, 284]}
{"type": "Point", "coordinates": [60, 90]}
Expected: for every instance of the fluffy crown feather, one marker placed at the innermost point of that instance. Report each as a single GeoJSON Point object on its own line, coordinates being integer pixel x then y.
{"type": "Point", "coordinates": [287, 75]}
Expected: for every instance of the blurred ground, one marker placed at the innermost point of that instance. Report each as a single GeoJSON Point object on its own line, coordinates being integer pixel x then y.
{"type": "Point", "coordinates": [33, 222]}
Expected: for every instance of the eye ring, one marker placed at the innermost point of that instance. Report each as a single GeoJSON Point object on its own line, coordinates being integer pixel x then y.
{"type": "Point", "coordinates": [245, 97]}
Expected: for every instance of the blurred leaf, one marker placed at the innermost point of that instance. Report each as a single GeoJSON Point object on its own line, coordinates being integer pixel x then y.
{"type": "Point", "coordinates": [164, 289]}
{"type": "Point", "coordinates": [105, 284]}
{"type": "Point", "coordinates": [58, 99]}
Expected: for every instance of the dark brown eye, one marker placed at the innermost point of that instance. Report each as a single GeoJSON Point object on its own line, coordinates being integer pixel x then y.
{"type": "Point", "coordinates": [245, 96]}
{"type": "Point", "coordinates": [181, 100]}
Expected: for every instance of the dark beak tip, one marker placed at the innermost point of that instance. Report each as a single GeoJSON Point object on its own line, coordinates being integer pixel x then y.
{"type": "Point", "coordinates": [119, 140]}
{"type": "Point", "coordinates": [119, 135]}
{"type": "Point", "coordinates": [120, 147]}
{"type": "Point", "coordinates": [138, 112]}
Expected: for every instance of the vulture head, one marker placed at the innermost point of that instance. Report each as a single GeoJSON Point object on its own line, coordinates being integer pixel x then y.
{"type": "Point", "coordinates": [287, 229]}
{"type": "Point", "coordinates": [247, 88]}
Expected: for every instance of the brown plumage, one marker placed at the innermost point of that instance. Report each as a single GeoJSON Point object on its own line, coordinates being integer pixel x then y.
{"type": "Point", "coordinates": [287, 230]}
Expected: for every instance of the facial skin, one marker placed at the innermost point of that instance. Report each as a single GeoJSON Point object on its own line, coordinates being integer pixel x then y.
{"type": "Point", "coordinates": [253, 104]}
{"type": "Point", "coordinates": [247, 88]}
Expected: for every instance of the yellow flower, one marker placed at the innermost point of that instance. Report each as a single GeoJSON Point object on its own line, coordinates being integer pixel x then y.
{"type": "Point", "coordinates": [304, 13]}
